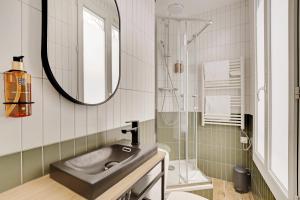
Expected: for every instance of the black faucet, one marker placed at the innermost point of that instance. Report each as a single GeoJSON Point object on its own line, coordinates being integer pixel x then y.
{"type": "Point", "coordinates": [135, 139]}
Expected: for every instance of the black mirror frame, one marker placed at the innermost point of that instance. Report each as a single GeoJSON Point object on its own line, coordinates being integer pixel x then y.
{"type": "Point", "coordinates": [46, 65]}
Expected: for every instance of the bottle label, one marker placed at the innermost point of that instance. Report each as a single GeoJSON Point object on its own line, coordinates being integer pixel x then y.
{"type": "Point", "coordinates": [21, 81]}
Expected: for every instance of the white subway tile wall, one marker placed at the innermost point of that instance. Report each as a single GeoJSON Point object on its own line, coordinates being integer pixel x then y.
{"type": "Point", "coordinates": [10, 39]}
{"type": "Point", "coordinates": [67, 116]}
{"type": "Point", "coordinates": [54, 118]}
{"type": "Point", "coordinates": [36, 120]}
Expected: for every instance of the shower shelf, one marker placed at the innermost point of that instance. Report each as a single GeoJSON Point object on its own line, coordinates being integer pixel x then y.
{"type": "Point", "coordinates": [233, 87]}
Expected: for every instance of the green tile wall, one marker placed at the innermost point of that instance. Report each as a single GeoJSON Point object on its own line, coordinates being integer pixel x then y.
{"type": "Point", "coordinates": [67, 149]}
{"type": "Point", "coordinates": [169, 135]}
{"type": "Point", "coordinates": [101, 139]}
{"type": "Point", "coordinates": [51, 155]}
{"type": "Point", "coordinates": [219, 150]}
{"type": "Point", "coordinates": [35, 163]}
{"type": "Point", "coordinates": [92, 142]}
{"type": "Point", "coordinates": [32, 164]}
{"type": "Point", "coordinates": [10, 171]}
{"type": "Point", "coordinates": [259, 187]}
{"type": "Point", "coordinates": [80, 145]}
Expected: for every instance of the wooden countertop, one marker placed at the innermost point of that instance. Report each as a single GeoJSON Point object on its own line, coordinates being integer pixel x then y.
{"type": "Point", "coordinates": [45, 188]}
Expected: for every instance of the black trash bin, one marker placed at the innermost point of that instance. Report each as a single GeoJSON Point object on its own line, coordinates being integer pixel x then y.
{"type": "Point", "coordinates": [241, 179]}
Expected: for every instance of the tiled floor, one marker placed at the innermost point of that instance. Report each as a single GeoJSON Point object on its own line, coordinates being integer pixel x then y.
{"type": "Point", "coordinates": [224, 190]}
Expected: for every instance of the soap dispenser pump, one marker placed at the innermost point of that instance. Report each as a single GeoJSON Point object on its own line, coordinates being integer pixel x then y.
{"type": "Point", "coordinates": [17, 90]}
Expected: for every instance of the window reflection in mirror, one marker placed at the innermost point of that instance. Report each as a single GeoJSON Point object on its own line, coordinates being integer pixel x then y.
{"type": "Point", "coordinates": [115, 56]}
{"type": "Point", "coordinates": [93, 57]}
{"type": "Point", "coordinates": [83, 48]}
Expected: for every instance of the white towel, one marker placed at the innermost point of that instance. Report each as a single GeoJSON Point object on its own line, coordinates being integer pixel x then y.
{"type": "Point", "coordinates": [218, 70]}
{"type": "Point", "coordinates": [235, 73]}
{"type": "Point", "coordinates": [217, 105]}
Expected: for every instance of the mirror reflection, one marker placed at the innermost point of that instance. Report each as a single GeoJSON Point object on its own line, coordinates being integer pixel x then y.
{"type": "Point", "coordinates": [84, 48]}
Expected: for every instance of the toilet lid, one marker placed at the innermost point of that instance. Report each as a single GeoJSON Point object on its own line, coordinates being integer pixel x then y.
{"type": "Point", "coordinates": [184, 196]}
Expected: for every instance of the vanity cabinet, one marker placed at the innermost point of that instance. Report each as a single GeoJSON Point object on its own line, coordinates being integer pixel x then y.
{"type": "Point", "coordinates": [150, 186]}
{"type": "Point", "coordinates": [47, 188]}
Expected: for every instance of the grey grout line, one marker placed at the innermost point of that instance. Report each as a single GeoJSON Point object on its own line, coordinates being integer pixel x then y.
{"type": "Point", "coordinates": [74, 136]}
{"type": "Point", "coordinates": [60, 127]}
{"type": "Point", "coordinates": [43, 126]}
{"type": "Point", "coordinates": [105, 129]}
{"type": "Point", "coordinates": [21, 166]}
{"type": "Point", "coordinates": [60, 109]}
{"type": "Point", "coordinates": [43, 161]}
{"type": "Point", "coordinates": [97, 145]}
{"type": "Point", "coordinates": [86, 127]}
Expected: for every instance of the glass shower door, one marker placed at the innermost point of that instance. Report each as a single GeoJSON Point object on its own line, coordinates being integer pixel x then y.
{"type": "Point", "coordinates": [177, 101]}
{"type": "Point", "coordinates": [189, 114]}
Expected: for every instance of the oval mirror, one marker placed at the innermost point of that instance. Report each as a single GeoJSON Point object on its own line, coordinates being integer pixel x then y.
{"type": "Point", "coordinates": [81, 48]}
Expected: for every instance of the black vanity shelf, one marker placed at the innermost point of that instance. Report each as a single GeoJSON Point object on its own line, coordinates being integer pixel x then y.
{"type": "Point", "coordinates": [141, 196]}
{"type": "Point", "coordinates": [6, 103]}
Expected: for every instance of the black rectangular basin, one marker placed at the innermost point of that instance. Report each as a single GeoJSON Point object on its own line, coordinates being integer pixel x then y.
{"type": "Point", "coordinates": [101, 160]}
{"type": "Point", "coordinates": [93, 173]}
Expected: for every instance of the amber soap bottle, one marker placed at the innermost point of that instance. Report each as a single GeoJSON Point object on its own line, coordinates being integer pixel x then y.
{"type": "Point", "coordinates": [17, 90]}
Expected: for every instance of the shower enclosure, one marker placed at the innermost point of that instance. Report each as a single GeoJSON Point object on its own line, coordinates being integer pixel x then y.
{"type": "Point", "coordinates": [178, 91]}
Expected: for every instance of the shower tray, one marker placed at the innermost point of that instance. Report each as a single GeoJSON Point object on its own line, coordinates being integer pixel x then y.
{"type": "Point", "coordinates": [177, 180]}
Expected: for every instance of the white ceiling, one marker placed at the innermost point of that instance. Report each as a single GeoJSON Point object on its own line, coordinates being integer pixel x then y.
{"type": "Point", "coordinates": [191, 7]}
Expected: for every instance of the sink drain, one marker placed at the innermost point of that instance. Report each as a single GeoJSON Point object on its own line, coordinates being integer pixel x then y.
{"type": "Point", "coordinates": [110, 164]}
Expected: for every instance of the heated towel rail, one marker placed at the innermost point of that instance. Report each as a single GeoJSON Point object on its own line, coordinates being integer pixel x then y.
{"type": "Point", "coordinates": [233, 87]}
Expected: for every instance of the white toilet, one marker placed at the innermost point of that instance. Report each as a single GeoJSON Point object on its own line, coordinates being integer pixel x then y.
{"type": "Point", "coordinates": [153, 194]}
